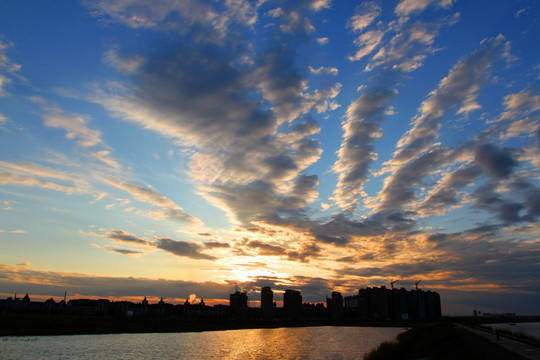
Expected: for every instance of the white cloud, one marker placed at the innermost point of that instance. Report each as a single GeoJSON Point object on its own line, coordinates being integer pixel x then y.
{"type": "Point", "coordinates": [367, 42]}
{"type": "Point", "coordinates": [366, 13]}
{"type": "Point", "coordinates": [8, 69]}
{"type": "Point", "coordinates": [128, 65]}
{"type": "Point", "coordinates": [178, 16]}
{"type": "Point", "coordinates": [406, 7]}
{"type": "Point", "coordinates": [17, 231]}
{"type": "Point", "coordinates": [104, 157]}
{"type": "Point", "coordinates": [150, 196]}
{"type": "Point", "coordinates": [74, 125]}
{"type": "Point", "coordinates": [29, 174]}
{"type": "Point", "coordinates": [323, 70]}
{"type": "Point", "coordinates": [323, 40]}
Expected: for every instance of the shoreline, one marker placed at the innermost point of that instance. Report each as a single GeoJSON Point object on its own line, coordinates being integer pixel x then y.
{"type": "Point", "coordinates": [442, 341]}
{"type": "Point", "coordinates": [53, 325]}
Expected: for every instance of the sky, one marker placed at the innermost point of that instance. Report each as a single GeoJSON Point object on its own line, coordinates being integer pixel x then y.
{"type": "Point", "coordinates": [194, 148]}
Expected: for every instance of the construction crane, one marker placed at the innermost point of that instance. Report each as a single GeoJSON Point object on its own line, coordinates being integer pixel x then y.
{"type": "Point", "coordinates": [416, 284]}
{"type": "Point", "coordinates": [392, 282]}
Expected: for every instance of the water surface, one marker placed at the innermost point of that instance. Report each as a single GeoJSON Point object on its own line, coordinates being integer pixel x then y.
{"type": "Point", "coordinates": [528, 328]}
{"type": "Point", "coordinates": [324, 342]}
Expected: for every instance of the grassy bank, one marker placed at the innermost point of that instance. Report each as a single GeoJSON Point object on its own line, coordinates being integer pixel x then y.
{"type": "Point", "coordinates": [440, 341]}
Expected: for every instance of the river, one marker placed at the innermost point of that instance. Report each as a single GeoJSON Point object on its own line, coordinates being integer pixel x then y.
{"type": "Point", "coordinates": [323, 342]}
{"type": "Point", "coordinates": [528, 328]}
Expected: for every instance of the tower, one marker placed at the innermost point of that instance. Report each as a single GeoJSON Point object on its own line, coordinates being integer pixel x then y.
{"type": "Point", "coordinates": [267, 303]}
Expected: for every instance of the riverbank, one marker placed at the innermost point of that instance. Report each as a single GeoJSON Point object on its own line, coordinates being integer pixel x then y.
{"type": "Point", "coordinates": [41, 324]}
{"type": "Point", "coordinates": [442, 341]}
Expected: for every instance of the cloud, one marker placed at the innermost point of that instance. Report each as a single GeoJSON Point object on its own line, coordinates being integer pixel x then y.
{"type": "Point", "coordinates": [445, 193]}
{"type": "Point", "coordinates": [517, 203]}
{"type": "Point", "coordinates": [323, 70]}
{"type": "Point", "coordinates": [367, 42]}
{"type": "Point", "coordinates": [216, 245]}
{"type": "Point", "coordinates": [323, 40]}
{"type": "Point", "coordinates": [22, 280]}
{"type": "Point", "coordinates": [8, 69]}
{"type": "Point", "coordinates": [498, 162]}
{"type": "Point", "coordinates": [75, 125]}
{"type": "Point", "coordinates": [458, 89]}
{"type": "Point", "coordinates": [182, 248]}
{"type": "Point", "coordinates": [417, 154]}
{"type": "Point", "coordinates": [520, 104]}
{"type": "Point", "coordinates": [403, 53]}
{"type": "Point", "coordinates": [150, 196]}
{"type": "Point", "coordinates": [35, 175]}
{"type": "Point", "coordinates": [104, 157]}
{"type": "Point", "coordinates": [365, 15]}
{"type": "Point", "coordinates": [356, 153]}
{"type": "Point", "coordinates": [407, 7]}
{"type": "Point", "coordinates": [127, 65]}
{"type": "Point", "coordinates": [247, 122]}
{"type": "Point", "coordinates": [266, 249]}
{"type": "Point", "coordinates": [18, 231]}
{"type": "Point", "coordinates": [125, 252]}
{"type": "Point", "coordinates": [127, 238]}
{"type": "Point", "coordinates": [180, 17]}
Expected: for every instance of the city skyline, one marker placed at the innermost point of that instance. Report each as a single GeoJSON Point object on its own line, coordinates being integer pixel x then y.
{"type": "Point", "coordinates": [196, 147]}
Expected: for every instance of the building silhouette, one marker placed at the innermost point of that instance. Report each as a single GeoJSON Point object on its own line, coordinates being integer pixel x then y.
{"type": "Point", "coordinates": [292, 304]}
{"type": "Point", "coordinates": [238, 305]}
{"type": "Point", "coordinates": [267, 303]}
{"type": "Point", "coordinates": [335, 305]}
{"type": "Point", "coordinates": [380, 303]}
{"type": "Point", "coordinates": [372, 303]}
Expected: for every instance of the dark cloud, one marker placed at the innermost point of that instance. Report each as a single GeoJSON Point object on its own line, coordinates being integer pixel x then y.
{"type": "Point", "coordinates": [125, 237]}
{"type": "Point", "coordinates": [338, 241]}
{"type": "Point", "coordinates": [201, 85]}
{"type": "Point", "coordinates": [393, 220]}
{"type": "Point", "coordinates": [104, 286]}
{"type": "Point", "coordinates": [247, 113]}
{"type": "Point", "coordinates": [361, 128]}
{"type": "Point", "coordinates": [479, 259]}
{"type": "Point", "coordinates": [125, 251]}
{"type": "Point", "coordinates": [531, 196]}
{"type": "Point", "coordinates": [499, 163]}
{"type": "Point", "coordinates": [280, 166]}
{"type": "Point", "coordinates": [267, 249]}
{"type": "Point", "coordinates": [523, 204]}
{"type": "Point", "coordinates": [532, 204]}
{"type": "Point", "coordinates": [447, 194]}
{"type": "Point", "coordinates": [306, 252]}
{"type": "Point", "coordinates": [400, 190]}
{"type": "Point", "coordinates": [341, 225]}
{"type": "Point", "coordinates": [216, 244]}
{"type": "Point", "coordinates": [183, 248]}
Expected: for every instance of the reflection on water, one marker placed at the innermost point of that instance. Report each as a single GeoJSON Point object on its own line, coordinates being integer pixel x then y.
{"type": "Point", "coordinates": [325, 342]}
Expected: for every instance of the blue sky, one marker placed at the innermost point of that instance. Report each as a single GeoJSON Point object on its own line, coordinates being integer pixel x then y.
{"type": "Point", "coordinates": [188, 147]}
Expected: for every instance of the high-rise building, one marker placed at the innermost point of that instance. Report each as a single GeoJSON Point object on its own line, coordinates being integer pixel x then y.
{"type": "Point", "coordinates": [378, 301]}
{"type": "Point", "coordinates": [238, 304]}
{"type": "Point", "coordinates": [267, 303]}
{"type": "Point", "coordinates": [335, 305]}
{"type": "Point", "coordinates": [292, 304]}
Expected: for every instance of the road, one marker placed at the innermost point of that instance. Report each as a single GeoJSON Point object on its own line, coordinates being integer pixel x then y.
{"type": "Point", "coordinates": [525, 350]}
